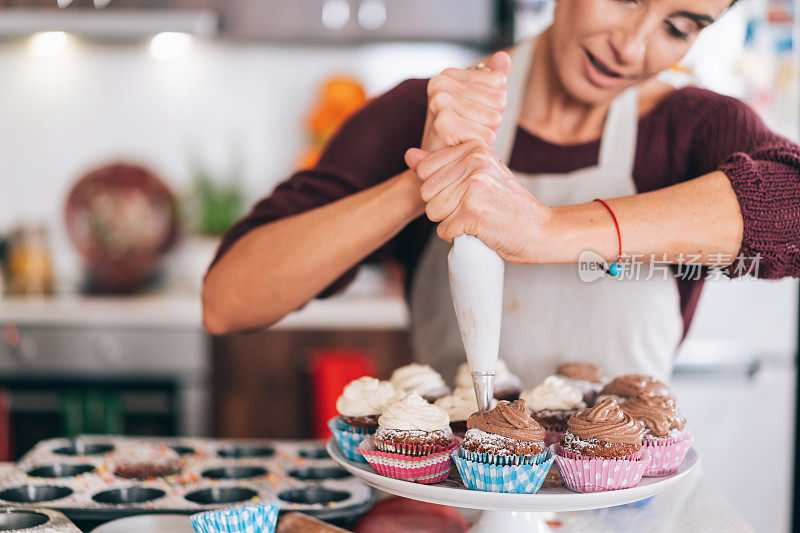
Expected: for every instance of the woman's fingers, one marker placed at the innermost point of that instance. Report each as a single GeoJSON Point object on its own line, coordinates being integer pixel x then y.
{"type": "Point", "coordinates": [414, 156]}
{"type": "Point", "coordinates": [479, 158]}
{"type": "Point", "coordinates": [500, 62]}
{"type": "Point", "coordinates": [436, 160]}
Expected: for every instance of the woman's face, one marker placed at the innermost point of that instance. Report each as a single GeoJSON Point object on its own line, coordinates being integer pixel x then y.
{"type": "Point", "coordinates": [601, 47]}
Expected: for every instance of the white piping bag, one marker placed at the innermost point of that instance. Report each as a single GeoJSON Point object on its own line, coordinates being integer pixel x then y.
{"type": "Point", "coordinates": [476, 283]}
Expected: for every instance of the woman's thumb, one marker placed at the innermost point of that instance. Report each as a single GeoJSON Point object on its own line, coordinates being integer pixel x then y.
{"type": "Point", "coordinates": [500, 62]}
{"type": "Point", "coordinates": [414, 156]}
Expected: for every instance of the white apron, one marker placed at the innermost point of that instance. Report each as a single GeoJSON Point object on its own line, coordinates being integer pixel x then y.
{"type": "Point", "coordinates": [549, 315]}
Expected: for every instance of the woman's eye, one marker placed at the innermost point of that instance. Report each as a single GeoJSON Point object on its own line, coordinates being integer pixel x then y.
{"type": "Point", "coordinates": [675, 32]}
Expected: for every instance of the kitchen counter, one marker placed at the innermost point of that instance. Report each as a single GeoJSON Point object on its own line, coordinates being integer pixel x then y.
{"type": "Point", "coordinates": [166, 310]}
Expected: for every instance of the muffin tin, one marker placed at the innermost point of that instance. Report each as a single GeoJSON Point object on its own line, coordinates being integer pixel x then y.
{"type": "Point", "coordinates": [76, 477]}
{"type": "Point", "coordinates": [35, 520]}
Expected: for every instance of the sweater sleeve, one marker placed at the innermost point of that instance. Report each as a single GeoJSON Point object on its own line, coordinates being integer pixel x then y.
{"type": "Point", "coordinates": [367, 150]}
{"type": "Point", "coordinates": [764, 171]}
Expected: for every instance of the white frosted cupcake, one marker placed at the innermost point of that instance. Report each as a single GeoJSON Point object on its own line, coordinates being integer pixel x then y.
{"type": "Point", "coordinates": [412, 426]}
{"type": "Point", "coordinates": [459, 406]}
{"type": "Point", "coordinates": [421, 378]}
{"type": "Point", "coordinates": [507, 385]}
{"type": "Point", "coordinates": [362, 401]}
{"type": "Point", "coordinates": [552, 403]}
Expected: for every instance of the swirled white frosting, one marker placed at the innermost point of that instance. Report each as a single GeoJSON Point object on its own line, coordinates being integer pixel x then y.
{"type": "Point", "coordinates": [554, 393]}
{"type": "Point", "coordinates": [365, 396]}
{"type": "Point", "coordinates": [420, 378]}
{"type": "Point", "coordinates": [460, 404]}
{"type": "Point", "coordinates": [502, 376]}
{"type": "Point", "coordinates": [412, 412]}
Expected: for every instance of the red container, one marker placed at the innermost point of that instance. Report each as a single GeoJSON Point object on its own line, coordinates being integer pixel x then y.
{"type": "Point", "coordinates": [330, 371]}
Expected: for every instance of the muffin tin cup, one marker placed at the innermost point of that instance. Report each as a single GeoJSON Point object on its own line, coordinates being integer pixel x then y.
{"type": "Point", "coordinates": [59, 470]}
{"type": "Point", "coordinates": [35, 493]}
{"type": "Point", "coordinates": [221, 495]}
{"type": "Point", "coordinates": [667, 454]}
{"type": "Point", "coordinates": [525, 478]}
{"type": "Point", "coordinates": [426, 469]}
{"type": "Point", "coordinates": [16, 519]}
{"type": "Point", "coordinates": [348, 441]}
{"type": "Point", "coordinates": [511, 460]}
{"type": "Point", "coordinates": [596, 474]}
{"type": "Point", "coordinates": [259, 517]}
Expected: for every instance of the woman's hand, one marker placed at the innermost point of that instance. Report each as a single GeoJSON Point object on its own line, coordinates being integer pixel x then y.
{"type": "Point", "coordinates": [467, 189]}
{"type": "Point", "coordinates": [466, 104]}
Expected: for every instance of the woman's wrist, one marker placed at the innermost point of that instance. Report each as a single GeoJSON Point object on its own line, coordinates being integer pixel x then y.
{"type": "Point", "coordinates": [404, 190]}
{"type": "Point", "coordinates": [580, 227]}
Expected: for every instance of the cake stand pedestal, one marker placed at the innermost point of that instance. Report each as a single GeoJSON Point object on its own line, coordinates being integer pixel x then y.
{"type": "Point", "coordinates": [506, 513]}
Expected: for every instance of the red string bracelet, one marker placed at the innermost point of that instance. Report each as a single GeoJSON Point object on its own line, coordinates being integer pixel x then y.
{"type": "Point", "coordinates": [614, 268]}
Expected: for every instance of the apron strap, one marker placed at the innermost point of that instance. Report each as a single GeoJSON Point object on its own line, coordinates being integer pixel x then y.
{"type": "Point", "coordinates": [521, 55]}
{"type": "Point", "coordinates": [618, 143]}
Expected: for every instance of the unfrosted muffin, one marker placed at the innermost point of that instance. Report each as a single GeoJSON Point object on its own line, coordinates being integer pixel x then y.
{"type": "Point", "coordinates": [459, 406]}
{"type": "Point", "coordinates": [421, 378]}
{"type": "Point", "coordinates": [412, 426]}
{"type": "Point", "coordinates": [363, 400]}
{"type": "Point", "coordinates": [506, 433]}
{"type": "Point", "coordinates": [552, 403]}
{"type": "Point", "coordinates": [585, 376]}
{"type": "Point", "coordinates": [603, 431]}
{"type": "Point", "coordinates": [623, 388]}
{"type": "Point", "coordinates": [507, 385]}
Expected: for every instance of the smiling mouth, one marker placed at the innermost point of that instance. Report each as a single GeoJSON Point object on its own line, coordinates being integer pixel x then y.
{"type": "Point", "coordinates": [601, 67]}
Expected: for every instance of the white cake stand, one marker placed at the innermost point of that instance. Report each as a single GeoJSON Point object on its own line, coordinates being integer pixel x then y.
{"type": "Point", "coordinates": [506, 513]}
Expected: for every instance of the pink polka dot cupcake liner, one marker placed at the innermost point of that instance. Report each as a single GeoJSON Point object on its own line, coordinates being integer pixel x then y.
{"type": "Point", "coordinates": [596, 474]}
{"type": "Point", "coordinates": [667, 454]}
{"type": "Point", "coordinates": [425, 469]}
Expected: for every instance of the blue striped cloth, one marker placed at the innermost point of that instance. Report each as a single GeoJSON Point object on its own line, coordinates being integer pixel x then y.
{"type": "Point", "coordinates": [517, 479]}
{"type": "Point", "coordinates": [254, 518]}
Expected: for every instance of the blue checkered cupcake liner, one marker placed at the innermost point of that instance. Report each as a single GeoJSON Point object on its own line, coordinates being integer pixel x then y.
{"type": "Point", "coordinates": [348, 440]}
{"type": "Point", "coordinates": [510, 460]}
{"type": "Point", "coordinates": [253, 518]}
{"type": "Point", "coordinates": [514, 479]}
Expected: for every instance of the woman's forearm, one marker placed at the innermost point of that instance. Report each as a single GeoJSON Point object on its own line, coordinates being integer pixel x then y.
{"type": "Point", "coordinates": [699, 218]}
{"type": "Point", "coordinates": [276, 268]}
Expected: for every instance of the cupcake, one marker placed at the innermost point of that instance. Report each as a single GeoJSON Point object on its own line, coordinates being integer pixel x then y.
{"type": "Point", "coordinates": [459, 406]}
{"type": "Point", "coordinates": [623, 388]}
{"type": "Point", "coordinates": [602, 450]}
{"type": "Point", "coordinates": [413, 441]}
{"type": "Point", "coordinates": [412, 426]}
{"type": "Point", "coordinates": [504, 451]}
{"type": "Point", "coordinates": [664, 436]}
{"type": "Point", "coordinates": [585, 376]}
{"type": "Point", "coordinates": [552, 403]}
{"type": "Point", "coordinates": [507, 386]}
{"type": "Point", "coordinates": [507, 434]}
{"type": "Point", "coordinates": [359, 406]}
{"type": "Point", "coordinates": [421, 378]}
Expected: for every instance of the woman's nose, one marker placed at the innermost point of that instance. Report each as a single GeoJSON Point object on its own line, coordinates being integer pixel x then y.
{"type": "Point", "coordinates": [629, 45]}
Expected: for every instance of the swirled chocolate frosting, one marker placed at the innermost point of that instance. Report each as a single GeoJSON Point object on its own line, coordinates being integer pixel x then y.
{"type": "Point", "coordinates": [607, 422]}
{"type": "Point", "coordinates": [512, 420]}
{"type": "Point", "coordinates": [580, 372]}
{"type": "Point", "coordinates": [658, 414]}
{"type": "Point", "coordinates": [633, 385]}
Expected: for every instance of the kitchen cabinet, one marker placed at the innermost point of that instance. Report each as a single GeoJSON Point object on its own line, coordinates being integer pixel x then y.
{"type": "Point", "coordinates": [261, 381]}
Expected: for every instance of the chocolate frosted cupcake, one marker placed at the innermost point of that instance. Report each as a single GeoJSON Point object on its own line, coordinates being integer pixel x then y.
{"type": "Point", "coordinates": [507, 386]}
{"type": "Point", "coordinates": [665, 435]}
{"type": "Point", "coordinates": [459, 406]}
{"type": "Point", "coordinates": [623, 388]}
{"type": "Point", "coordinates": [421, 378]}
{"type": "Point", "coordinates": [603, 431]}
{"type": "Point", "coordinates": [412, 426]}
{"type": "Point", "coordinates": [585, 376]}
{"type": "Point", "coordinates": [602, 450]}
{"type": "Point", "coordinates": [552, 403]}
{"type": "Point", "coordinates": [362, 401]}
{"type": "Point", "coordinates": [507, 434]}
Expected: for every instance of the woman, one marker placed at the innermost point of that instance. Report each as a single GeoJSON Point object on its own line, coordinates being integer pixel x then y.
{"type": "Point", "coordinates": [515, 154]}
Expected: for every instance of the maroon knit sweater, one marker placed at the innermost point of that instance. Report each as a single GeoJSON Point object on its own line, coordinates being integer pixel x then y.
{"type": "Point", "coordinates": [689, 133]}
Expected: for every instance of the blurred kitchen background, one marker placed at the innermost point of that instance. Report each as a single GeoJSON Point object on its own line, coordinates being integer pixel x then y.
{"type": "Point", "coordinates": [132, 134]}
